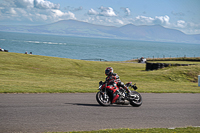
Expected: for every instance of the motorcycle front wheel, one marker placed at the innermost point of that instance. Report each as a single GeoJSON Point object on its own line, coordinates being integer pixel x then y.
{"type": "Point", "coordinates": [103, 99]}
{"type": "Point", "coordinates": [136, 99]}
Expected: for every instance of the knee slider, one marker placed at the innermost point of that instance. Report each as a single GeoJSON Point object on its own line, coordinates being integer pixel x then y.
{"type": "Point", "coordinates": [122, 84]}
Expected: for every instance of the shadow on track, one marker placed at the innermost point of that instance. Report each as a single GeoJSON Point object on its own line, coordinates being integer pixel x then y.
{"type": "Point", "coordinates": [97, 105]}
{"type": "Point", "coordinates": [82, 104]}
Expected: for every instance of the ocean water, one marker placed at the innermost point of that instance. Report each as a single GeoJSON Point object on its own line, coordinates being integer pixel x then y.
{"type": "Point", "coordinates": [93, 48]}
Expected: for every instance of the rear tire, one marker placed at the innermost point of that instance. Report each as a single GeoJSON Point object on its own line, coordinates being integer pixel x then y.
{"type": "Point", "coordinates": [101, 100]}
{"type": "Point", "coordinates": [137, 101]}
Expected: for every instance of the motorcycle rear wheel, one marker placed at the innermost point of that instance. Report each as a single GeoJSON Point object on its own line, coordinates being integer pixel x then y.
{"type": "Point", "coordinates": [137, 100]}
{"type": "Point", "coordinates": [101, 100]}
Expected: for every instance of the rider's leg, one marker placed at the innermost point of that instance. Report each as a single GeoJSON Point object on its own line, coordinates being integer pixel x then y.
{"type": "Point", "coordinates": [124, 86]}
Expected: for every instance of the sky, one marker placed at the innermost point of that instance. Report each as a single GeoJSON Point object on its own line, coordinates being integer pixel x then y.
{"type": "Point", "coordinates": [183, 15]}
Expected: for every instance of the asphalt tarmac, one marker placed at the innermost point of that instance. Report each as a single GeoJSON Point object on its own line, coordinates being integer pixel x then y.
{"type": "Point", "coordinates": [81, 112]}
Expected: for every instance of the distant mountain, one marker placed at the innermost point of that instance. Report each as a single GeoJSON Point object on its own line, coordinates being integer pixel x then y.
{"type": "Point", "coordinates": [130, 31]}
{"type": "Point", "coordinates": [155, 33]}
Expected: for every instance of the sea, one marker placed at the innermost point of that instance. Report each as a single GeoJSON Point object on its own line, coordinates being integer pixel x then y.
{"type": "Point", "coordinates": [85, 48]}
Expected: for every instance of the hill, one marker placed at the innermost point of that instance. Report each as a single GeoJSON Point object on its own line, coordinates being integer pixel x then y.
{"type": "Point", "coordinates": [130, 31]}
{"type": "Point", "coordinates": [23, 73]}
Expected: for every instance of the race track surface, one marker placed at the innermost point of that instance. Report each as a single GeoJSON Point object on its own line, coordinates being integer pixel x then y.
{"type": "Point", "coordinates": [81, 112]}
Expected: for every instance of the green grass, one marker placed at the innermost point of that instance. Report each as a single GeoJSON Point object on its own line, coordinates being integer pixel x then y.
{"type": "Point", "coordinates": [21, 73]}
{"type": "Point", "coordinates": [151, 130]}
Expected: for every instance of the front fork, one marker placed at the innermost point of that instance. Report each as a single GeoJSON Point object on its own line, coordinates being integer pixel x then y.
{"type": "Point", "coordinates": [104, 93]}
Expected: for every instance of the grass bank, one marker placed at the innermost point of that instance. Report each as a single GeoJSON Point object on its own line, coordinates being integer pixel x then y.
{"type": "Point", "coordinates": [151, 130]}
{"type": "Point", "coordinates": [21, 73]}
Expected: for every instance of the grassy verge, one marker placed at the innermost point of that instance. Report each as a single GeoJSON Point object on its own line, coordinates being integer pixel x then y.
{"type": "Point", "coordinates": [20, 73]}
{"type": "Point", "coordinates": [151, 130]}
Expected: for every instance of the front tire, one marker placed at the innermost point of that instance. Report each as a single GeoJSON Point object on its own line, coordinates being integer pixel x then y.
{"type": "Point", "coordinates": [136, 99]}
{"type": "Point", "coordinates": [103, 100]}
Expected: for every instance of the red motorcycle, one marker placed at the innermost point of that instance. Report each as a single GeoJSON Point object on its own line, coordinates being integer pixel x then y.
{"type": "Point", "coordinates": [105, 95]}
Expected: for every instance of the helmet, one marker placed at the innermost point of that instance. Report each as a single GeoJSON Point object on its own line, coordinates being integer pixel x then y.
{"type": "Point", "coordinates": [108, 70]}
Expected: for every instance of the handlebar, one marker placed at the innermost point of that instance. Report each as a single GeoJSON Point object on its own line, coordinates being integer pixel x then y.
{"type": "Point", "coordinates": [128, 84]}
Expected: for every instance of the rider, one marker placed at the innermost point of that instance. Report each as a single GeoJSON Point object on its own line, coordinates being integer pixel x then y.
{"type": "Point", "coordinates": [112, 79]}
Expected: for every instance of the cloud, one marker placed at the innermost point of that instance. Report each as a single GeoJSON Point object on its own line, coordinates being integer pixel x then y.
{"type": "Point", "coordinates": [187, 27]}
{"type": "Point", "coordinates": [57, 14]}
{"type": "Point", "coordinates": [8, 11]}
{"type": "Point", "coordinates": [78, 9]}
{"type": "Point", "coordinates": [181, 24]}
{"type": "Point", "coordinates": [12, 11]}
{"type": "Point", "coordinates": [107, 21]}
{"type": "Point", "coordinates": [41, 16]}
{"type": "Point", "coordinates": [177, 13]}
{"type": "Point", "coordinates": [119, 21]}
{"type": "Point", "coordinates": [162, 20]}
{"type": "Point", "coordinates": [42, 4]}
{"type": "Point", "coordinates": [126, 11]}
{"type": "Point", "coordinates": [92, 12]}
{"type": "Point", "coordinates": [32, 11]}
{"type": "Point", "coordinates": [143, 20]}
{"type": "Point", "coordinates": [104, 11]}
{"type": "Point", "coordinates": [107, 11]}
{"type": "Point", "coordinates": [104, 16]}
{"type": "Point", "coordinates": [69, 8]}
{"type": "Point", "coordinates": [24, 3]}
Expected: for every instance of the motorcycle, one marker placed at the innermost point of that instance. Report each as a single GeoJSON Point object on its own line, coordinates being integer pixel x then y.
{"type": "Point", "coordinates": [105, 95]}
